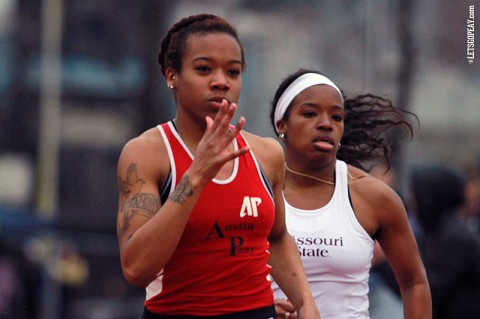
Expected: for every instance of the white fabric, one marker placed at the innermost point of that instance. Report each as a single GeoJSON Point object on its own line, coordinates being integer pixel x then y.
{"type": "Point", "coordinates": [296, 87]}
{"type": "Point", "coordinates": [336, 253]}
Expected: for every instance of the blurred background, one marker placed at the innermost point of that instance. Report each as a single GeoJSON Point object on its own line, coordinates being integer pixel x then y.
{"type": "Point", "coordinates": [78, 79]}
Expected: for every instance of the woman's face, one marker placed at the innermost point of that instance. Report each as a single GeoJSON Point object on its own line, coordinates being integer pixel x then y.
{"type": "Point", "coordinates": [315, 125]}
{"type": "Point", "coordinates": [211, 71]}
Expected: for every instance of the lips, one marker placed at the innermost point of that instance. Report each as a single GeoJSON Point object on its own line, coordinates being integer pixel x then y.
{"type": "Point", "coordinates": [323, 143]}
{"type": "Point", "coordinates": [325, 139]}
{"type": "Point", "coordinates": [218, 99]}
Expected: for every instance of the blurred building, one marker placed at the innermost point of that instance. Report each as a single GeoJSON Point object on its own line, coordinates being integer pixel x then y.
{"type": "Point", "coordinates": [63, 223]}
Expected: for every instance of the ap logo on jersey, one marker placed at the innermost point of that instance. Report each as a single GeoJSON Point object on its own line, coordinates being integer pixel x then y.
{"type": "Point", "coordinates": [249, 206]}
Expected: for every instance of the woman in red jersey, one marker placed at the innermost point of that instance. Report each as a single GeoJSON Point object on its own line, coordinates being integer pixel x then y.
{"type": "Point", "coordinates": [201, 217]}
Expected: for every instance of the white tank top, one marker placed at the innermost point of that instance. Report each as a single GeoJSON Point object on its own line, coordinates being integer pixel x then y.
{"type": "Point", "coordinates": [336, 253]}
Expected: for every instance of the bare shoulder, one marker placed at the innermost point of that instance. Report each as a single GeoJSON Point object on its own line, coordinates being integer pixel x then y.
{"type": "Point", "coordinates": [264, 147]}
{"type": "Point", "coordinates": [267, 151]}
{"type": "Point", "coordinates": [370, 187]}
{"type": "Point", "coordinates": [146, 154]}
{"type": "Point", "coordinates": [374, 202]}
{"type": "Point", "coordinates": [142, 146]}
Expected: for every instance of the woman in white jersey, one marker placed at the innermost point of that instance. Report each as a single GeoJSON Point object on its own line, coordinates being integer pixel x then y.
{"type": "Point", "coordinates": [334, 209]}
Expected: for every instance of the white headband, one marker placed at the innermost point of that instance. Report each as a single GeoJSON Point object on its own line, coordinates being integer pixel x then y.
{"type": "Point", "coordinates": [301, 83]}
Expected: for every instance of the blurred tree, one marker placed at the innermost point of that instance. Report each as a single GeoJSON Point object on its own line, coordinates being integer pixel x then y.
{"type": "Point", "coordinates": [154, 107]}
{"type": "Point", "coordinates": [406, 68]}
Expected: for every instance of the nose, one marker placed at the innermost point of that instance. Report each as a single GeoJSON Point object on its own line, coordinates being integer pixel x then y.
{"type": "Point", "coordinates": [324, 122]}
{"type": "Point", "coordinates": [220, 81]}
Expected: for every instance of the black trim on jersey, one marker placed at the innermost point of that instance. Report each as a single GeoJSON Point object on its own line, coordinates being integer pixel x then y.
{"type": "Point", "coordinates": [350, 198]}
{"type": "Point", "coordinates": [166, 189]}
{"type": "Point", "coordinates": [168, 184]}
{"type": "Point", "coordinates": [174, 126]}
{"type": "Point", "coordinates": [265, 180]}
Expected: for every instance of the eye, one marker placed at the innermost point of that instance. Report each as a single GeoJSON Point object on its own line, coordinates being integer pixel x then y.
{"type": "Point", "coordinates": [309, 114]}
{"type": "Point", "coordinates": [337, 118]}
{"type": "Point", "coordinates": [203, 69]}
{"type": "Point", "coordinates": [234, 72]}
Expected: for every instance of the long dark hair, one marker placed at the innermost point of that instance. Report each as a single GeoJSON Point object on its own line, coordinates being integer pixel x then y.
{"type": "Point", "coordinates": [369, 119]}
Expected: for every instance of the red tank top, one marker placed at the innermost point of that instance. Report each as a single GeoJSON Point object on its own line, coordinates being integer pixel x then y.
{"type": "Point", "coordinates": [220, 265]}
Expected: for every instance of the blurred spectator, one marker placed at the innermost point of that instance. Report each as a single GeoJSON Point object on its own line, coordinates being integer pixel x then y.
{"type": "Point", "coordinates": [15, 296]}
{"type": "Point", "coordinates": [9, 279]}
{"type": "Point", "coordinates": [450, 252]}
{"type": "Point", "coordinates": [470, 211]}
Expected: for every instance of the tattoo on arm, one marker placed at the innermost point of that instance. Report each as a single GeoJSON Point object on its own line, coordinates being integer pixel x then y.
{"type": "Point", "coordinates": [132, 201]}
{"type": "Point", "coordinates": [183, 190]}
{"type": "Point", "coordinates": [131, 185]}
{"type": "Point", "coordinates": [141, 204]}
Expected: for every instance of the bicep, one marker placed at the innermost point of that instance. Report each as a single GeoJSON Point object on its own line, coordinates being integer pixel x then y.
{"type": "Point", "coordinates": [397, 241]}
{"type": "Point", "coordinates": [138, 190]}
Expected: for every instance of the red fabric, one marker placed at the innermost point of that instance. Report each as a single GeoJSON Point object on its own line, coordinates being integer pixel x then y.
{"type": "Point", "coordinates": [220, 265]}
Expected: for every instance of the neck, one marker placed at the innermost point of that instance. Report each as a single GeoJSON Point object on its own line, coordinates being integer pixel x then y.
{"type": "Point", "coordinates": [188, 136]}
{"type": "Point", "coordinates": [311, 177]}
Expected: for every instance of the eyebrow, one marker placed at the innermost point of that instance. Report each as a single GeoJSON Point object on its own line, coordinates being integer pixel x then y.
{"type": "Point", "coordinates": [207, 59]}
{"type": "Point", "coordinates": [316, 105]}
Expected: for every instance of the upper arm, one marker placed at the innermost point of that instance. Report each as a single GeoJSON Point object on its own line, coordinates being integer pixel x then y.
{"type": "Point", "coordinates": [138, 176]}
{"type": "Point", "coordinates": [396, 238]}
{"type": "Point", "coordinates": [382, 213]}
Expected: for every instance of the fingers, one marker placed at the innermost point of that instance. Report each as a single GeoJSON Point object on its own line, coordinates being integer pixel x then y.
{"type": "Point", "coordinates": [224, 117]}
{"type": "Point", "coordinates": [221, 128]}
{"type": "Point", "coordinates": [285, 309]}
{"type": "Point", "coordinates": [215, 148]}
{"type": "Point", "coordinates": [286, 314]}
{"type": "Point", "coordinates": [221, 122]}
{"type": "Point", "coordinates": [237, 128]}
{"type": "Point", "coordinates": [289, 315]}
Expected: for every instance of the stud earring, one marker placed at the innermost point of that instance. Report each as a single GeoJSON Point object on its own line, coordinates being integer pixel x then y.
{"type": "Point", "coordinates": [281, 136]}
{"type": "Point", "coordinates": [339, 145]}
{"type": "Point", "coordinates": [170, 84]}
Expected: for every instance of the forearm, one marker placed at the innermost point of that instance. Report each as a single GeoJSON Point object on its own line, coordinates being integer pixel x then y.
{"type": "Point", "coordinates": [417, 303]}
{"type": "Point", "coordinates": [146, 250]}
{"type": "Point", "coordinates": [288, 272]}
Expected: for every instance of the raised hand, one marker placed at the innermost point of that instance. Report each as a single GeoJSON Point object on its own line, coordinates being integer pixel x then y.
{"type": "Point", "coordinates": [214, 149]}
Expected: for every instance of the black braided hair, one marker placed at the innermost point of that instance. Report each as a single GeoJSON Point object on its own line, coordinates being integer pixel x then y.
{"type": "Point", "coordinates": [173, 44]}
{"type": "Point", "coordinates": [369, 123]}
